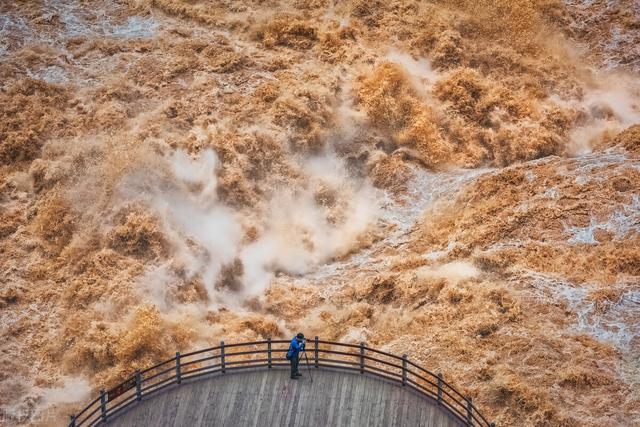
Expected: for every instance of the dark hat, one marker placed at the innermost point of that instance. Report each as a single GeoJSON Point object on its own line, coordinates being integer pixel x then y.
{"type": "Point", "coordinates": [300, 335]}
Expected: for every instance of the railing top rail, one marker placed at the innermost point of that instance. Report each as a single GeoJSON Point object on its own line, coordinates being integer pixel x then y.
{"type": "Point", "coordinates": [422, 381]}
{"type": "Point", "coordinates": [164, 362]}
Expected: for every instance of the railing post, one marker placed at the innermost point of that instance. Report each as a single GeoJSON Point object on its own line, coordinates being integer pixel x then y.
{"type": "Point", "coordinates": [222, 356]}
{"type": "Point", "coordinates": [138, 386]}
{"type": "Point", "coordinates": [362, 358]}
{"type": "Point", "coordinates": [315, 352]}
{"type": "Point", "coordinates": [103, 404]}
{"type": "Point", "coordinates": [72, 422]}
{"type": "Point", "coordinates": [178, 373]}
{"type": "Point", "coordinates": [269, 351]}
{"type": "Point", "coordinates": [439, 389]}
{"type": "Point", "coordinates": [469, 411]}
{"type": "Point", "coordinates": [404, 369]}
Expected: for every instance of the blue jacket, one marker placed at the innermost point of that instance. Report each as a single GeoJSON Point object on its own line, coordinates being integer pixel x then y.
{"type": "Point", "coordinates": [295, 348]}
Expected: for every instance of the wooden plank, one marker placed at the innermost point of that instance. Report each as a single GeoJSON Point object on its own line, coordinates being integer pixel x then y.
{"type": "Point", "coordinates": [269, 397]}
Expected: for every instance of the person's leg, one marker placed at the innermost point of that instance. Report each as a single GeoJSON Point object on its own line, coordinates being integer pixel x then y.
{"type": "Point", "coordinates": [294, 366]}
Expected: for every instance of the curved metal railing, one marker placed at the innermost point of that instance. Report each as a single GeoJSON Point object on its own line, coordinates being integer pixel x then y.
{"type": "Point", "coordinates": [262, 354]}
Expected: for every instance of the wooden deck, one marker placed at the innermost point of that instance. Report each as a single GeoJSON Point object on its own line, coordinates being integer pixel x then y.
{"type": "Point", "coordinates": [270, 398]}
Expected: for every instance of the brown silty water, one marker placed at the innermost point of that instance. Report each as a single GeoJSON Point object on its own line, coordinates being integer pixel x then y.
{"type": "Point", "coordinates": [454, 180]}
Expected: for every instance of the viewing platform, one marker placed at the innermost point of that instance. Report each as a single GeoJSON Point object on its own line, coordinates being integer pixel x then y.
{"type": "Point", "coordinates": [248, 384]}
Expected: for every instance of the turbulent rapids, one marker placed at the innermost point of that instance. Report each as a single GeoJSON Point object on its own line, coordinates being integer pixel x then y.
{"type": "Point", "coordinates": [455, 179]}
